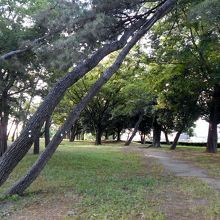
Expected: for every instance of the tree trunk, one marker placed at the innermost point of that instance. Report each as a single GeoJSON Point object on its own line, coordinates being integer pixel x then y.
{"type": "Point", "coordinates": [127, 143]}
{"type": "Point", "coordinates": [175, 141]}
{"type": "Point", "coordinates": [72, 133]}
{"type": "Point", "coordinates": [98, 136]}
{"type": "Point", "coordinates": [106, 135]}
{"type": "Point", "coordinates": [4, 113]}
{"type": "Point", "coordinates": [212, 140]}
{"type": "Point", "coordinates": [36, 145]}
{"type": "Point", "coordinates": [35, 170]}
{"type": "Point", "coordinates": [166, 137]}
{"type": "Point", "coordinates": [156, 133]}
{"type": "Point", "coordinates": [113, 136]}
{"type": "Point", "coordinates": [3, 136]}
{"type": "Point", "coordinates": [118, 134]}
{"type": "Point", "coordinates": [23, 143]}
{"type": "Point", "coordinates": [82, 136]}
{"type": "Point", "coordinates": [47, 131]}
{"type": "Point", "coordinates": [143, 138]}
{"type": "Point", "coordinates": [214, 119]}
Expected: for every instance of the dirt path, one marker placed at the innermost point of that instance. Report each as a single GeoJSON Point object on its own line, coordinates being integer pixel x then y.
{"type": "Point", "coordinates": [180, 168]}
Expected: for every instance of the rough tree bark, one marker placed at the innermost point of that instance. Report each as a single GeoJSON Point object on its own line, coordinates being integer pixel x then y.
{"type": "Point", "coordinates": [47, 131]}
{"type": "Point", "coordinates": [4, 114]}
{"type": "Point", "coordinates": [156, 133]}
{"type": "Point", "coordinates": [214, 119]}
{"type": "Point", "coordinates": [212, 138]}
{"type": "Point", "coordinates": [128, 142]}
{"type": "Point", "coordinates": [23, 143]}
{"type": "Point", "coordinates": [32, 174]}
{"type": "Point", "coordinates": [175, 141]}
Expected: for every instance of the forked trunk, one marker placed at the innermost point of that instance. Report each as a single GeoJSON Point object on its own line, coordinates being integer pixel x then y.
{"type": "Point", "coordinates": [128, 142]}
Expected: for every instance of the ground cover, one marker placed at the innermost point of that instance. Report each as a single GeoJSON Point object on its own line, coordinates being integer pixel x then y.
{"type": "Point", "coordinates": [83, 181]}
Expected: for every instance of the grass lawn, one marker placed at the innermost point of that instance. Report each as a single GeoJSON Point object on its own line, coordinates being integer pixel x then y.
{"type": "Point", "coordinates": [83, 181]}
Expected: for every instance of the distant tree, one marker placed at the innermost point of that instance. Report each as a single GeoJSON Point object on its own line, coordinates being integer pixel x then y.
{"type": "Point", "coordinates": [19, 74]}
{"type": "Point", "coordinates": [193, 43]}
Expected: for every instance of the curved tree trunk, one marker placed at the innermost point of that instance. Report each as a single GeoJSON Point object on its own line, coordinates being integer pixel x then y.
{"type": "Point", "coordinates": [32, 174]}
{"type": "Point", "coordinates": [128, 142]}
{"type": "Point", "coordinates": [175, 141]}
{"type": "Point", "coordinates": [23, 143]}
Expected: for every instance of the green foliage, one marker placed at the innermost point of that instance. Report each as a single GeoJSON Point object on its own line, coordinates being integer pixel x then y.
{"type": "Point", "coordinates": [184, 63]}
{"type": "Point", "coordinates": [19, 76]}
{"type": "Point", "coordinates": [206, 11]}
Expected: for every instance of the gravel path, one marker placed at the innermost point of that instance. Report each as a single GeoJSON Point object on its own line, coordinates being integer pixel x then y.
{"type": "Point", "coordinates": [181, 168]}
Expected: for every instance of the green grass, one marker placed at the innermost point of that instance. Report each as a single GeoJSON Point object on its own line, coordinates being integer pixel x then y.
{"type": "Point", "coordinates": [106, 183]}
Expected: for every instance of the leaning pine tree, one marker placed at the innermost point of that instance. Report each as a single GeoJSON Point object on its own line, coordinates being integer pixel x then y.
{"type": "Point", "coordinates": [17, 151]}
{"type": "Point", "coordinates": [32, 174]}
{"type": "Point", "coordinates": [20, 147]}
